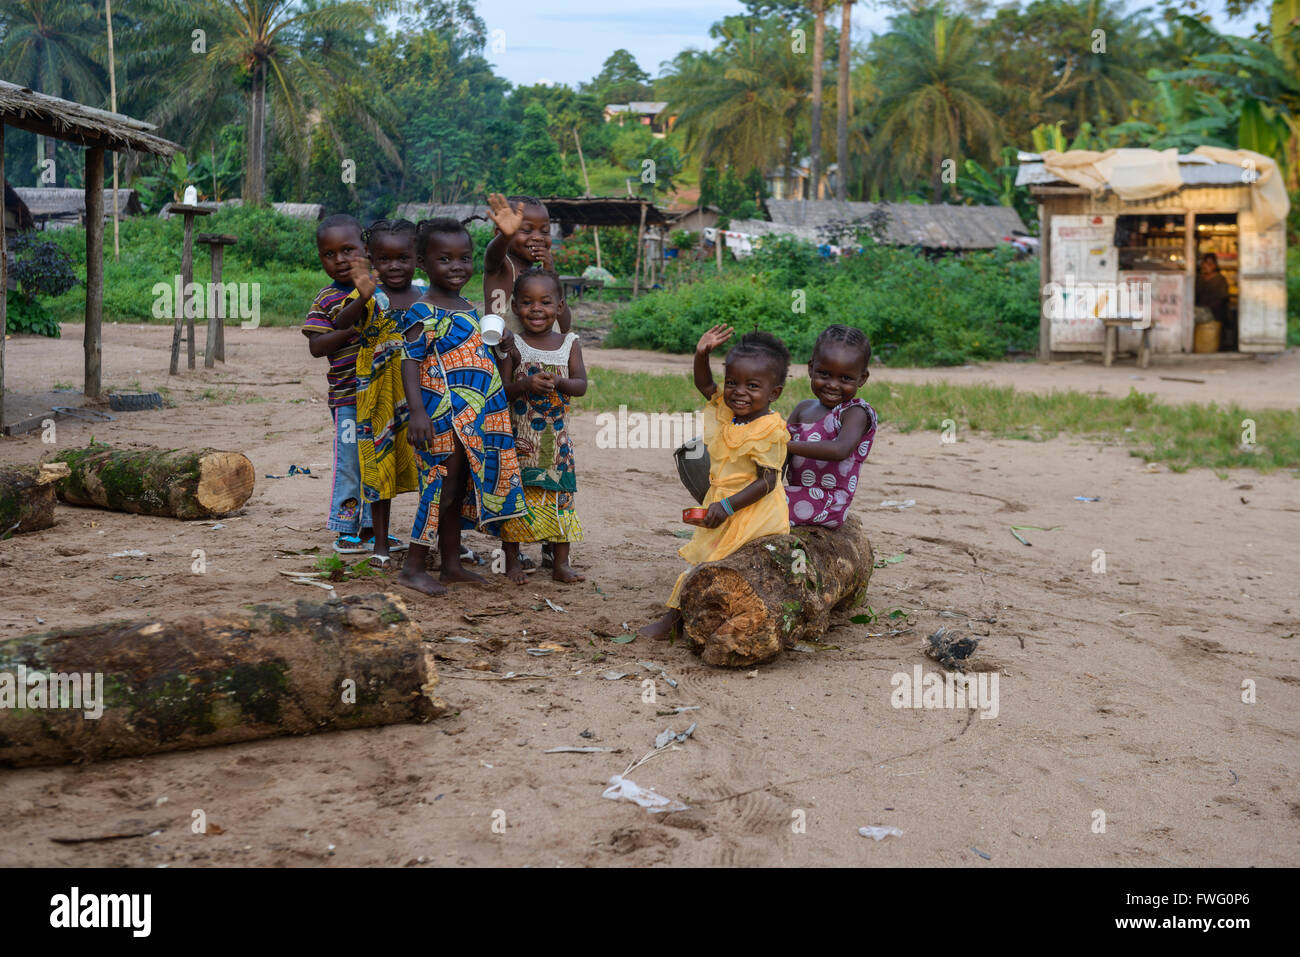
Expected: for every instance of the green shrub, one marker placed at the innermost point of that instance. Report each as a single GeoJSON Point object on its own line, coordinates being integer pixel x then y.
{"type": "Point", "coordinates": [916, 310]}
{"type": "Point", "coordinates": [31, 316]}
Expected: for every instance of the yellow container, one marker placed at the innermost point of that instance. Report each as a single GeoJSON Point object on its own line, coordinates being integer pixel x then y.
{"type": "Point", "coordinates": [1207, 337]}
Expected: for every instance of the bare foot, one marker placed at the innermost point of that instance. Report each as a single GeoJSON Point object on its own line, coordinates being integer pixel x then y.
{"type": "Point", "coordinates": [565, 573]}
{"type": "Point", "coordinates": [421, 580]}
{"type": "Point", "coordinates": [456, 572]}
{"type": "Point", "coordinates": [515, 572]}
{"type": "Point", "coordinates": [661, 628]}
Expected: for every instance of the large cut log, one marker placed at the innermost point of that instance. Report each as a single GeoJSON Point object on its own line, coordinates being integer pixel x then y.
{"type": "Point", "coordinates": [178, 483]}
{"type": "Point", "coordinates": [264, 671]}
{"type": "Point", "coordinates": [27, 497]}
{"type": "Point", "coordinates": [774, 593]}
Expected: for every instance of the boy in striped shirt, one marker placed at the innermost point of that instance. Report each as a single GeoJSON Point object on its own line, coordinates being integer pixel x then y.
{"type": "Point", "coordinates": [338, 241]}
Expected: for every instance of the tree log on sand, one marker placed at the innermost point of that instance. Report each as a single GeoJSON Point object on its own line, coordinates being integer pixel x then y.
{"type": "Point", "coordinates": [774, 593]}
{"type": "Point", "coordinates": [175, 483]}
{"type": "Point", "coordinates": [27, 497]}
{"type": "Point", "coordinates": [258, 672]}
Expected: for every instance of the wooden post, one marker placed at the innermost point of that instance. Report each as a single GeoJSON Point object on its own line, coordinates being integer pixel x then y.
{"type": "Point", "coordinates": [183, 313]}
{"type": "Point", "coordinates": [94, 268]}
{"type": "Point", "coordinates": [216, 311]}
{"type": "Point", "coordinates": [220, 351]}
{"type": "Point", "coordinates": [4, 276]}
{"type": "Point", "coordinates": [717, 248]}
{"type": "Point", "coordinates": [187, 277]}
{"type": "Point", "coordinates": [1044, 277]}
{"type": "Point", "coordinates": [640, 239]}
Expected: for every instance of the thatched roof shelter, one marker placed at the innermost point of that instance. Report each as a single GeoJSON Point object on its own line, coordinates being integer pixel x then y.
{"type": "Point", "coordinates": [77, 123]}
{"type": "Point", "coordinates": [67, 206]}
{"type": "Point", "coordinates": [97, 131]}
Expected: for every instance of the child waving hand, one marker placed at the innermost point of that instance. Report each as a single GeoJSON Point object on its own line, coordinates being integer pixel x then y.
{"type": "Point", "coordinates": [747, 440]}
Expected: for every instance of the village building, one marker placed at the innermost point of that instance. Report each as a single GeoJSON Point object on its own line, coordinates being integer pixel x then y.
{"type": "Point", "coordinates": [1198, 241]}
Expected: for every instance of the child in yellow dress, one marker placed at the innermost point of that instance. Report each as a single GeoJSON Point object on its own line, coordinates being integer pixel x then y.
{"type": "Point", "coordinates": [747, 440]}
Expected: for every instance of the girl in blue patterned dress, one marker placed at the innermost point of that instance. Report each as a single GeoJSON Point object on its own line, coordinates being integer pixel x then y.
{"type": "Point", "coordinates": [459, 416]}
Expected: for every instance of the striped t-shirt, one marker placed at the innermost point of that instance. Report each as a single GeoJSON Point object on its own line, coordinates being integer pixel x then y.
{"type": "Point", "coordinates": [342, 374]}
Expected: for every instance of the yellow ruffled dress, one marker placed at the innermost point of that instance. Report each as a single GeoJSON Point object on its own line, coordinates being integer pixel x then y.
{"type": "Point", "coordinates": [736, 453]}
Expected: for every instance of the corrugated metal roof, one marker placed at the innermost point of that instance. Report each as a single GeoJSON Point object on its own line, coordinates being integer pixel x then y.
{"type": "Point", "coordinates": [458, 211]}
{"type": "Point", "coordinates": [1192, 170]}
{"type": "Point", "coordinates": [932, 226]}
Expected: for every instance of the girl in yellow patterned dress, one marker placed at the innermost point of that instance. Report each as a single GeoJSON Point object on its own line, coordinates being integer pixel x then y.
{"type": "Point", "coordinates": [377, 307]}
{"type": "Point", "coordinates": [549, 372]}
{"type": "Point", "coordinates": [747, 440]}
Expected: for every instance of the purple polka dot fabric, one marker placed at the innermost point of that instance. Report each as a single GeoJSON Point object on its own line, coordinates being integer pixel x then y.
{"type": "Point", "coordinates": [820, 491]}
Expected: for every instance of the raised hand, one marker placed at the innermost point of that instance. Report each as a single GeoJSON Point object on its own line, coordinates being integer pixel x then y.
{"type": "Point", "coordinates": [713, 338]}
{"type": "Point", "coordinates": [506, 216]}
{"type": "Point", "coordinates": [363, 278]}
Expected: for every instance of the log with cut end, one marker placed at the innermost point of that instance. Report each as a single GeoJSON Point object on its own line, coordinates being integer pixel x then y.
{"type": "Point", "coordinates": [27, 497]}
{"type": "Point", "coordinates": [176, 483]}
{"type": "Point", "coordinates": [774, 593]}
{"type": "Point", "coordinates": [259, 672]}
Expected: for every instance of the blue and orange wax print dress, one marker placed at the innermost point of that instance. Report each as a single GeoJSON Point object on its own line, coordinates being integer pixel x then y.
{"type": "Point", "coordinates": [461, 391]}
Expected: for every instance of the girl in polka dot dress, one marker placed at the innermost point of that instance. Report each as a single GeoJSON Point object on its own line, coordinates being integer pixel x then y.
{"type": "Point", "coordinates": [831, 435]}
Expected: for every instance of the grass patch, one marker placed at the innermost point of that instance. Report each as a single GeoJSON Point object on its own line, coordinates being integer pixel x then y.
{"type": "Point", "coordinates": [1181, 436]}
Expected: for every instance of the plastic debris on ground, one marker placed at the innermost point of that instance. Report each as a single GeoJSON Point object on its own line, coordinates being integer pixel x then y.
{"type": "Point", "coordinates": [293, 470]}
{"type": "Point", "coordinates": [908, 503]}
{"type": "Point", "coordinates": [566, 749]}
{"type": "Point", "coordinates": [669, 736]}
{"type": "Point", "coordinates": [1086, 498]}
{"type": "Point", "coordinates": [651, 666]}
{"type": "Point", "coordinates": [129, 553]}
{"type": "Point", "coordinates": [987, 857]}
{"type": "Point", "coordinates": [623, 789]}
{"type": "Point", "coordinates": [1017, 529]}
{"type": "Point", "coordinates": [615, 675]}
{"type": "Point", "coordinates": [879, 833]}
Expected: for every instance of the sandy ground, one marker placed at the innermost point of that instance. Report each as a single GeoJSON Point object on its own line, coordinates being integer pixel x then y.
{"type": "Point", "coordinates": [1119, 692]}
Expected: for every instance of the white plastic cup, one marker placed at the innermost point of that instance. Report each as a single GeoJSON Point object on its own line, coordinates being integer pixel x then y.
{"type": "Point", "coordinates": [492, 328]}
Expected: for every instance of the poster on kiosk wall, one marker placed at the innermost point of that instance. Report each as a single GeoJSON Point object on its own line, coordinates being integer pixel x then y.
{"type": "Point", "coordinates": [1084, 274]}
{"type": "Point", "coordinates": [1162, 295]}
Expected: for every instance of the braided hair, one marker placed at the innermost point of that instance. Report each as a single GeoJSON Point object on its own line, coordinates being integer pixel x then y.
{"type": "Point", "coordinates": [766, 347]}
{"type": "Point", "coordinates": [428, 228]}
{"type": "Point", "coordinates": [847, 336]}
{"type": "Point", "coordinates": [388, 227]}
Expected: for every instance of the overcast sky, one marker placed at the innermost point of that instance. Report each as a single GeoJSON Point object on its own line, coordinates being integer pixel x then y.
{"type": "Point", "coordinates": [566, 41]}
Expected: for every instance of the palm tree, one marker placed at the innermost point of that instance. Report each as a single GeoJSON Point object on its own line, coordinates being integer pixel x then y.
{"type": "Point", "coordinates": [741, 103]}
{"type": "Point", "coordinates": [842, 106]}
{"type": "Point", "coordinates": [815, 133]}
{"type": "Point", "coordinates": [51, 47]}
{"type": "Point", "coordinates": [1107, 79]}
{"type": "Point", "coordinates": [934, 91]}
{"type": "Point", "coordinates": [295, 59]}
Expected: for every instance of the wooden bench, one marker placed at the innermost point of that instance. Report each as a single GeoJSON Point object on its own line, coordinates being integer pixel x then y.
{"type": "Point", "coordinates": [1112, 339]}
